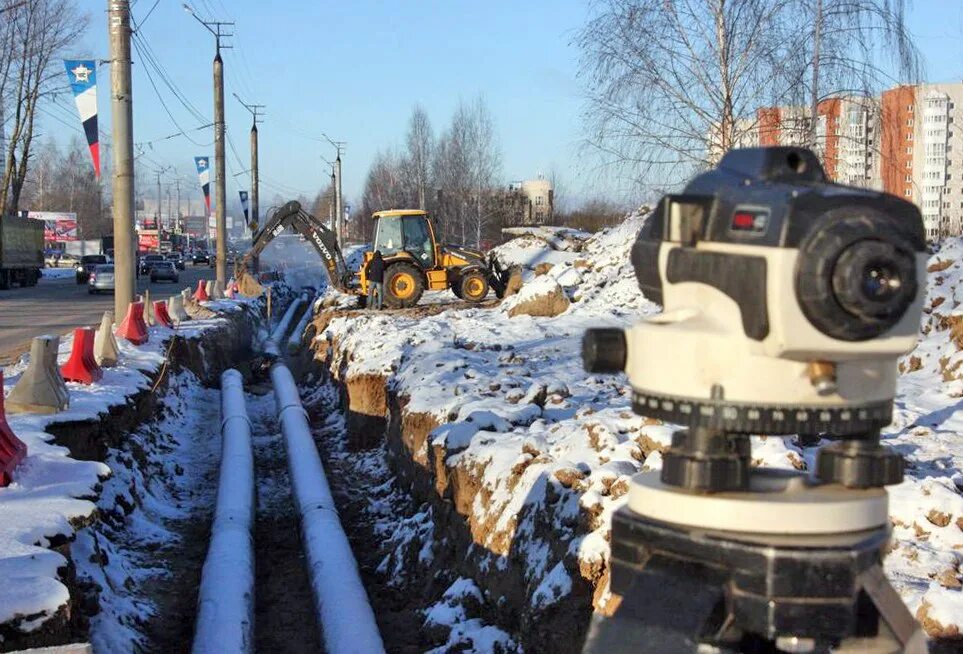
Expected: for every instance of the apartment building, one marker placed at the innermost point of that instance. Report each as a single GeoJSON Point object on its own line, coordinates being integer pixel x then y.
{"type": "Point", "coordinates": [538, 206]}
{"type": "Point", "coordinates": [902, 142]}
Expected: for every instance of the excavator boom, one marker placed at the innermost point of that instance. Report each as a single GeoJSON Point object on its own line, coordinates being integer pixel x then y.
{"type": "Point", "coordinates": [313, 230]}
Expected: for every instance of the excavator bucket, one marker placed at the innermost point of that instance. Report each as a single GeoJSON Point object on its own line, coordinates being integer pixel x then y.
{"type": "Point", "coordinates": [247, 284]}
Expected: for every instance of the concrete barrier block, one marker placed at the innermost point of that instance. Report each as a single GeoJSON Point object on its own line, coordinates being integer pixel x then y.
{"type": "Point", "coordinates": [209, 289]}
{"type": "Point", "coordinates": [218, 291]}
{"type": "Point", "coordinates": [40, 389]}
{"type": "Point", "coordinates": [106, 352]}
{"type": "Point", "coordinates": [175, 307]}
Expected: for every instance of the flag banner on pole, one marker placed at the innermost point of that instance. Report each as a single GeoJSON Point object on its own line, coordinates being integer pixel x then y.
{"type": "Point", "coordinates": [204, 175]}
{"type": "Point", "coordinates": [244, 204]}
{"type": "Point", "coordinates": [83, 82]}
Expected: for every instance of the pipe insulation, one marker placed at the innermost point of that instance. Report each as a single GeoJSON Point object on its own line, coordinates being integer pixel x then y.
{"type": "Point", "coordinates": [225, 618]}
{"type": "Point", "coordinates": [273, 344]}
{"type": "Point", "coordinates": [346, 619]}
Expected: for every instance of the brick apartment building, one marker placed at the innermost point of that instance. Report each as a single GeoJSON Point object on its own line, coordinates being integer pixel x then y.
{"type": "Point", "coordinates": [902, 142]}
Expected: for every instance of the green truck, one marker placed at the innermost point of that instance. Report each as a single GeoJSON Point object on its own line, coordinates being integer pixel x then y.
{"type": "Point", "coordinates": [21, 251]}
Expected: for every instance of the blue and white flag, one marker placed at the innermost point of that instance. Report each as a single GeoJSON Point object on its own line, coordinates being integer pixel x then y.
{"type": "Point", "coordinates": [83, 81]}
{"type": "Point", "coordinates": [204, 175]}
{"type": "Point", "coordinates": [244, 204]}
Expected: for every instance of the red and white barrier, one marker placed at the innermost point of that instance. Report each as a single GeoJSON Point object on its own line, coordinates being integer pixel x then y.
{"type": "Point", "coordinates": [81, 366]}
{"type": "Point", "coordinates": [12, 449]}
{"type": "Point", "coordinates": [133, 327]}
{"type": "Point", "coordinates": [161, 317]}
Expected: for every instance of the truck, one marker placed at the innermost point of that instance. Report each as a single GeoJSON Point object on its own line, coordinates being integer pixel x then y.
{"type": "Point", "coordinates": [21, 251]}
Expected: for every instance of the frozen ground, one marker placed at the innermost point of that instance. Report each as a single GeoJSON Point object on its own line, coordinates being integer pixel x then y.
{"type": "Point", "coordinates": [52, 494]}
{"type": "Point", "coordinates": [535, 454]}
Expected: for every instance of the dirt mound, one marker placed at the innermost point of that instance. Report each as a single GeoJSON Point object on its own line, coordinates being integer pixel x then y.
{"type": "Point", "coordinates": [543, 299]}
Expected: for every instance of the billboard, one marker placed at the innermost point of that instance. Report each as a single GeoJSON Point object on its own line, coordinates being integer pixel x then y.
{"type": "Point", "coordinates": [59, 226]}
{"type": "Point", "coordinates": [148, 241]}
{"type": "Point", "coordinates": [196, 226]}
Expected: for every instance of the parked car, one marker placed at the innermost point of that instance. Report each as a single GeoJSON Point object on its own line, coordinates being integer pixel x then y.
{"type": "Point", "coordinates": [148, 261]}
{"type": "Point", "coordinates": [200, 257]}
{"type": "Point", "coordinates": [67, 261]}
{"type": "Point", "coordinates": [87, 264]}
{"type": "Point", "coordinates": [101, 279]}
{"type": "Point", "coordinates": [163, 270]}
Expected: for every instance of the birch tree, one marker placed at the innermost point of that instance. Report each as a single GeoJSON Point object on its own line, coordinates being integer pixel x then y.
{"type": "Point", "coordinates": [667, 81]}
{"type": "Point", "coordinates": [421, 143]}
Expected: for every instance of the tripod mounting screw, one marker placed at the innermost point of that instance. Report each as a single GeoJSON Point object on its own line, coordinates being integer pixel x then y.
{"type": "Point", "coordinates": [604, 350]}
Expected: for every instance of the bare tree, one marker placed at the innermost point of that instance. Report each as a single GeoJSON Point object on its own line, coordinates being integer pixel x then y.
{"type": "Point", "coordinates": [485, 161]}
{"type": "Point", "coordinates": [421, 143]}
{"type": "Point", "coordinates": [668, 80]}
{"type": "Point", "coordinates": [41, 32]}
{"type": "Point", "coordinates": [385, 186]}
{"type": "Point", "coordinates": [851, 46]}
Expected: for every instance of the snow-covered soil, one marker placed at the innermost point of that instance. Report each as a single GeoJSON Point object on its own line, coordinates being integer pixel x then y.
{"type": "Point", "coordinates": [494, 421]}
{"type": "Point", "coordinates": [53, 494]}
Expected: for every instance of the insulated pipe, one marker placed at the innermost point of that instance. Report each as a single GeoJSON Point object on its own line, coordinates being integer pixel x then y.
{"type": "Point", "coordinates": [273, 345]}
{"type": "Point", "coordinates": [225, 617]}
{"type": "Point", "coordinates": [347, 621]}
{"type": "Point", "coordinates": [295, 339]}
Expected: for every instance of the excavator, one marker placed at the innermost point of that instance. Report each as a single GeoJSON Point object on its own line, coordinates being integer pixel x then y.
{"type": "Point", "coordinates": [414, 259]}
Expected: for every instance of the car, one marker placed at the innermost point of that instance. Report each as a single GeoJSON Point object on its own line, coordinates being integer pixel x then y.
{"type": "Point", "coordinates": [67, 261]}
{"type": "Point", "coordinates": [101, 279]}
{"type": "Point", "coordinates": [87, 264]}
{"type": "Point", "coordinates": [200, 257]}
{"type": "Point", "coordinates": [163, 270]}
{"type": "Point", "coordinates": [177, 260]}
{"type": "Point", "coordinates": [148, 261]}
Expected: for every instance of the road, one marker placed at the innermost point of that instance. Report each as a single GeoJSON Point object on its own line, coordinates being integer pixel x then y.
{"type": "Point", "coordinates": [57, 306]}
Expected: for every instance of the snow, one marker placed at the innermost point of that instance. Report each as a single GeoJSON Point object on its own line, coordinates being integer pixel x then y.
{"type": "Point", "coordinates": [553, 448]}
{"type": "Point", "coordinates": [467, 634]}
{"type": "Point", "coordinates": [51, 494]}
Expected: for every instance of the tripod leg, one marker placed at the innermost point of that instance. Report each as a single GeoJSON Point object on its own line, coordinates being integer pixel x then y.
{"type": "Point", "coordinates": [666, 608]}
{"type": "Point", "coordinates": [892, 611]}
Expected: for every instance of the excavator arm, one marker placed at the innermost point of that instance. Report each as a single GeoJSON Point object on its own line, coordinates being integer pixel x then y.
{"type": "Point", "coordinates": [314, 231]}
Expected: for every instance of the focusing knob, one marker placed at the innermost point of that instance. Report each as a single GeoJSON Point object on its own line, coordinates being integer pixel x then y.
{"type": "Point", "coordinates": [604, 350]}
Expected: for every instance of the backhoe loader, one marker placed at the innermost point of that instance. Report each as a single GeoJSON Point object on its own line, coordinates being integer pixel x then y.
{"type": "Point", "coordinates": [414, 258]}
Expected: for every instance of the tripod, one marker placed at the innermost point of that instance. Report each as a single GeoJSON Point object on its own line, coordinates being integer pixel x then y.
{"type": "Point", "coordinates": [767, 561]}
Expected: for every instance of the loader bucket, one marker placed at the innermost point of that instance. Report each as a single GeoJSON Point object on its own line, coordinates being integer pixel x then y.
{"type": "Point", "coordinates": [504, 281]}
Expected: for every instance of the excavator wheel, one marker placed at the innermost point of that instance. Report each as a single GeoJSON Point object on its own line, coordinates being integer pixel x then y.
{"type": "Point", "coordinates": [403, 285]}
{"type": "Point", "coordinates": [474, 286]}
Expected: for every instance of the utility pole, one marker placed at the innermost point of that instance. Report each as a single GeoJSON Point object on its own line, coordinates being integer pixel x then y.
{"type": "Point", "coordinates": [220, 183]}
{"type": "Point", "coordinates": [177, 224]}
{"type": "Point", "coordinates": [122, 122]}
{"type": "Point", "coordinates": [338, 206]}
{"type": "Point", "coordinates": [257, 111]}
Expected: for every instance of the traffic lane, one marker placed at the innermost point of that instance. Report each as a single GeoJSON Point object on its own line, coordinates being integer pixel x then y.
{"type": "Point", "coordinates": [57, 306]}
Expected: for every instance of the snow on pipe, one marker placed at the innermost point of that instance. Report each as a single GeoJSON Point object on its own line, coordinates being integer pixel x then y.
{"type": "Point", "coordinates": [347, 621]}
{"type": "Point", "coordinates": [295, 339]}
{"type": "Point", "coordinates": [273, 345]}
{"type": "Point", "coordinates": [225, 617]}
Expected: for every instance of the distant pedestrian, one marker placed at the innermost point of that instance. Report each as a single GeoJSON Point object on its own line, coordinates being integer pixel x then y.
{"type": "Point", "coordinates": [375, 274]}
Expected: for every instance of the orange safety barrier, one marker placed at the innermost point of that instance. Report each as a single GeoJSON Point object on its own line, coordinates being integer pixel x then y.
{"type": "Point", "coordinates": [133, 327]}
{"type": "Point", "coordinates": [201, 293]}
{"type": "Point", "coordinates": [12, 449]}
{"type": "Point", "coordinates": [161, 317]}
{"type": "Point", "coordinates": [81, 366]}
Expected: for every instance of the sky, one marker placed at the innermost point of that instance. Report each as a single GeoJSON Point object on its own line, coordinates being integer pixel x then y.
{"type": "Point", "coordinates": [354, 70]}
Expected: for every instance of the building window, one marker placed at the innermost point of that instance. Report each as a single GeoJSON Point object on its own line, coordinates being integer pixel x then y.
{"type": "Point", "coordinates": [909, 123]}
{"type": "Point", "coordinates": [909, 150]}
{"type": "Point", "coordinates": [909, 137]}
{"type": "Point", "coordinates": [907, 193]}
{"type": "Point", "coordinates": [909, 164]}
{"type": "Point", "coordinates": [909, 178]}
{"type": "Point", "coordinates": [538, 201]}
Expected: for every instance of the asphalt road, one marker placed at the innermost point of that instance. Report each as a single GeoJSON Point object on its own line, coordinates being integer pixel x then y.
{"type": "Point", "coordinates": [57, 306]}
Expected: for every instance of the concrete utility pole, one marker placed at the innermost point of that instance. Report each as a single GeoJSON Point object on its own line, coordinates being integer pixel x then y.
{"type": "Point", "coordinates": [338, 205]}
{"type": "Point", "coordinates": [177, 221]}
{"type": "Point", "coordinates": [257, 111]}
{"type": "Point", "coordinates": [220, 182]}
{"type": "Point", "coordinates": [122, 122]}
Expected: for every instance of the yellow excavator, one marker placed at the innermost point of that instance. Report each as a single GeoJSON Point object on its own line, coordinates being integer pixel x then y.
{"type": "Point", "coordinates": [414, 259]}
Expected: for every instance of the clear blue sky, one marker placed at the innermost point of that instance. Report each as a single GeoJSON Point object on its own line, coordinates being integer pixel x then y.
{"type": "Point", "coordinates": [355, 69]}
